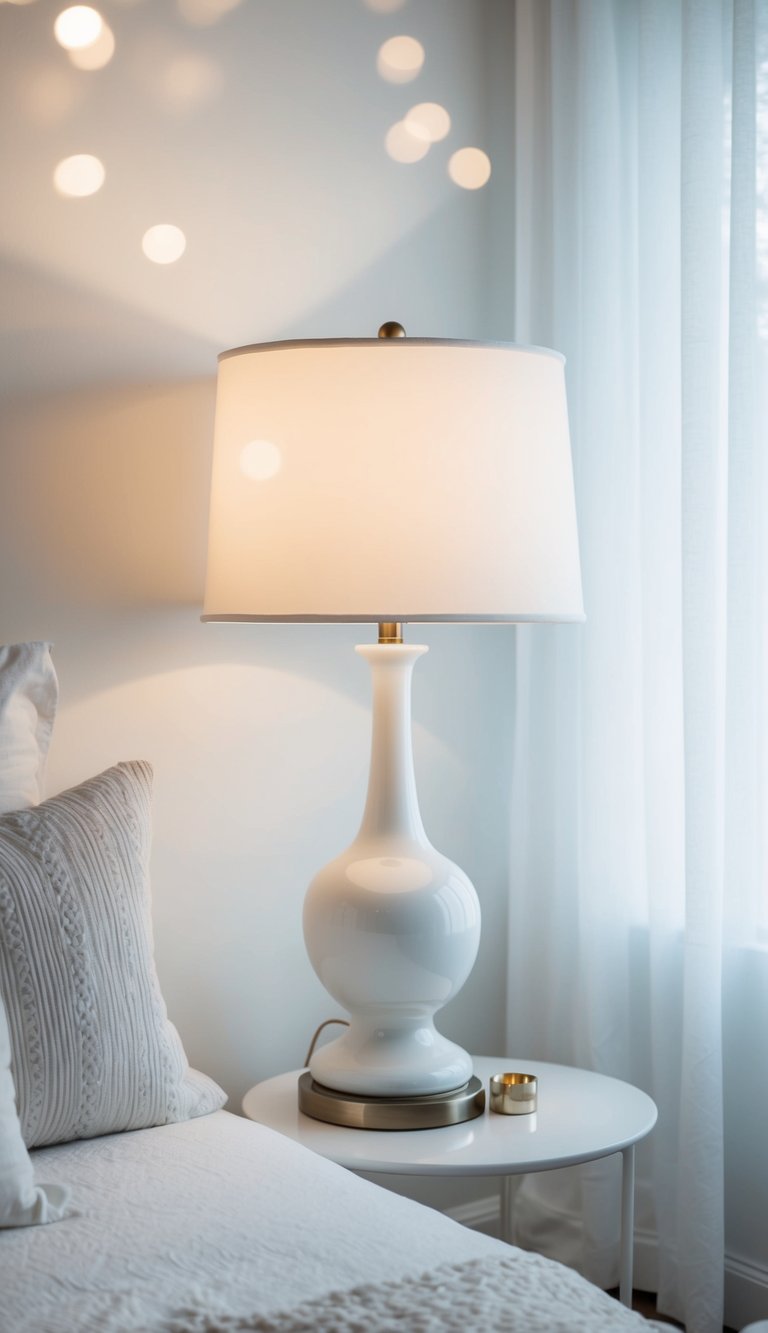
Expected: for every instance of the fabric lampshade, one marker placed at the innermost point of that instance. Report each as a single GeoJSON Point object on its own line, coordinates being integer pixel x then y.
{"type": "Point", "coordinates": [392, 479]}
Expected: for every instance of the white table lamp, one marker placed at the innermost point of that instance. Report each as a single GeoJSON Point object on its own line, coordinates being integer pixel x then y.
{"type": "Point", "coordinates": [389, 480]}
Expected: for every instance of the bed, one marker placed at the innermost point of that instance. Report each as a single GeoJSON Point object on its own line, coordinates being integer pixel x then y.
{"type": "Point", "coordinates": [217, 1223]}
{"type": "Point", "coordinates": [130, 1201]}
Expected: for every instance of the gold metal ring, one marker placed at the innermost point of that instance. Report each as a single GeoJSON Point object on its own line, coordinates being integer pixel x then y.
{"type": "Point", "coordinates": [513, 1093]}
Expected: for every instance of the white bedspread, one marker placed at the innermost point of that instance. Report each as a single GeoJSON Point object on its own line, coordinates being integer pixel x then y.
{"type": "Point", "coordinates": [220, 1217]}
{"type": "Point", "coordinates": [513, 1293]}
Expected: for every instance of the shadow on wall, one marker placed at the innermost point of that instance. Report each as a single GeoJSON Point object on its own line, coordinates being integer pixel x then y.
{"type": "Point", "coordinates": [105, 496]}
{"type": "Point", "coordinates": [58, 334]}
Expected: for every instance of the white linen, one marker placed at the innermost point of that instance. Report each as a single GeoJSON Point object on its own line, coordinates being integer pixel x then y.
{"type": "Point", "coordinates": [93, 1050]}
{"type": "Point", "coordinates": [29, 693]}
{"type": "Point", "coordinates": [222, 1214]}
{"type": "Point", "coordinates": [516, 1293]}
{"type": "Point", "coordinates": [22, 1202]}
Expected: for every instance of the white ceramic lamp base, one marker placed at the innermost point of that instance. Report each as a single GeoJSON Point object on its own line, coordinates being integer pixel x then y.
{"type": "Point", "coordinates": [391, 926]}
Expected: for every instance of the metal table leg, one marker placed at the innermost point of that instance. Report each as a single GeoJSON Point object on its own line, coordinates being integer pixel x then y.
{"type": "Point", "coordinates": [627, 1224]}
{"type": "Point", "coordinates": [511, 1184]}
{"type": "Point", "coordinates": [509, 1187]}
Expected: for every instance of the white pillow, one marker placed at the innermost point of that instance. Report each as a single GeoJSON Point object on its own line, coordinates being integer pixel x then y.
{"type": "Point", "coordinates": [29, 693]}
{"type": "Point", "coordinates": [22, 1202]}
{"type": "Point", "coordinates": [93, 1050]}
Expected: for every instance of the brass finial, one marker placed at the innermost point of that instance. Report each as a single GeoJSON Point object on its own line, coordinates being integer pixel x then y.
{"type": "Point", "coordinates": [391, 330]}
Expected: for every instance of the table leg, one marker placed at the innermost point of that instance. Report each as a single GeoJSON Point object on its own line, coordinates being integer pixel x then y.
{"type": "Point", "coordinates": [627, 1224]}
{"type": "Point", "coordinates": [509, 1187]}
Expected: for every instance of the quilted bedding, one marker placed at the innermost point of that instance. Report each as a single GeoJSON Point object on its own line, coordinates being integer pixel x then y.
{"type": "Point", "coordinates": [217, 1224]}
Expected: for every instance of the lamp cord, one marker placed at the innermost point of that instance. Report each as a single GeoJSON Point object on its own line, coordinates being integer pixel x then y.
{"type": "Point", "coordinates": [325, 1024]}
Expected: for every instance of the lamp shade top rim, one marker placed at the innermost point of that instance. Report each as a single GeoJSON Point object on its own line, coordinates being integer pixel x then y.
{"type": "Point", "coordinates": [290, 344]}
{"type": "Point", "coordinates": [521, 618]}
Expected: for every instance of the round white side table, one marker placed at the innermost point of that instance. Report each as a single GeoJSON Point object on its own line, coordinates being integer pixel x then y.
{"type": "Point", "coordinates": [581, 1116]}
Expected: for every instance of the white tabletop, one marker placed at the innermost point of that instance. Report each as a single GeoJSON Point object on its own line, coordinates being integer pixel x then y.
{"type": "Point", "coordinates": [580, 1116]}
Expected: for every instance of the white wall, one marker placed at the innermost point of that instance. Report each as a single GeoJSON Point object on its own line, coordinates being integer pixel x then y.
{"type": "Point", "coordinates": [298, 224]}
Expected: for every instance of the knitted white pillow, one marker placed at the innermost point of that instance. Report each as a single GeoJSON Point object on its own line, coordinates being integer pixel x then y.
{"type": "Point", "coordinates": [22, 1202]}
{"type": "Point", "coordinates": [93, 1050]}
{"type": "Point", "coordinates": [29, 693]}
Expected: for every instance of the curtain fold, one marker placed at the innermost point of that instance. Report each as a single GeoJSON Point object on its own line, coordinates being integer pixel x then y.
{"type": "Point", "coordinates": [639, 782]}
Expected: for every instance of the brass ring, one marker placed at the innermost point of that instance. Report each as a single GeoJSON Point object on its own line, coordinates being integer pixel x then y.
{"type": "Point", "coordinates": [513, 1093]}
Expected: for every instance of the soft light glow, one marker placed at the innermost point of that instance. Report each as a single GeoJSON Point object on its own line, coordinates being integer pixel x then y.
{"type": "Point", "coordinates": [77, 26]}
{"type": "Point", "coordinates": [470, 168]}
{"type": "Point", "coordinates": [78, 176]}
{"type": "Point", "coordinates": [374, 873]}
{"type": "Point", "coordinates": [260, 460]}
{"type": "Point", "coordinates": [97, 54]}
{"type": "Point", "coordinates": [203, 13]}
{"type": "Point", "coordinates": [50, 95]}
{"type": "Point", "coordinates": [428, 121]}
{"type": "Point", "coordinates": [357, 423]}
{"type": "Point", "coordinates": [402, 146]}
{"type": "Point", "coordinates": [164, 243]}
{"type": "Point", "coordinates": [189, 80]}
{"type": "Point", "coordinates": [400, 59]}
{"type": "Point", "coordinates": [384, 6]}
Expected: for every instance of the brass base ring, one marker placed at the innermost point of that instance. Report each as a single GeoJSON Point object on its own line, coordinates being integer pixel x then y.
{"type": "Point", "coordinates": [433, 1111]}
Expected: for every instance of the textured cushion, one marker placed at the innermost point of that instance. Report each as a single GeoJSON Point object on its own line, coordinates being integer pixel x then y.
{"type": "Point", "coordinates": [93, 1050]}
{"type": "Point", "coordinates": [29, 693]}
{"type": "Point", "coordinates": [22, 1203]}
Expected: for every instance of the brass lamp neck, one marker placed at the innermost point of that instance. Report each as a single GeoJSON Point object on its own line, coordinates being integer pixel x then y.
{"type": "Point", "coordinates": [390, 631]}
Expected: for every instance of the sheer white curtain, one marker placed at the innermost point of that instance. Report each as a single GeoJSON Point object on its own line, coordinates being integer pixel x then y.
{"type": "Point", "coordinates": [641, 764]}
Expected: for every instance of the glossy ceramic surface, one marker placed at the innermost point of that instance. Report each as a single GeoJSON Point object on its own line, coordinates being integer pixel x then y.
{"type": "Point", "coordinates": [391, 926]}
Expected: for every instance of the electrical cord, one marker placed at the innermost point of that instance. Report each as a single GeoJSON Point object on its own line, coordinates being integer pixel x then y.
{"type": "Point", "coordinates": [325, 1024]}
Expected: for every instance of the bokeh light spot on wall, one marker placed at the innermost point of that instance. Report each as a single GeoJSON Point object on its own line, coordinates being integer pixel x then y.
{"type": "Point", "coordinates": [428, 121]}
{"type": "Point", "coordinates": [77, 26]}
{"type": "Point", "coordinates": [78, 176]}
{"type": "Point", "coordinates": [97, 54]}
{"type": "Point", "coordinates": [403, 146]}
{"type": "Point", "coordinates": [189, 80]}
{"type": "Point", "coordinates": [203, 13]}
{"type": "Point", "coordinates": [384, 6]}
{"type": "Point", "coordinates": [260, 460]}
{"type": "Point", "coordinates": [400, 59]}
{"type": "Point", "coordinates": [17, 2]}
{"type": "Point", "coordinates": [470, 168]}
{"type": "Point", "coordinates": [164, 243]}
{"type": "Point", "coordinates": [49, 95]}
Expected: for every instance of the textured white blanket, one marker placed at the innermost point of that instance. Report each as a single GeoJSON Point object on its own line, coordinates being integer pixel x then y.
{"type": "Point", "coordinates": [500, 1295]}
{"type": "Point", "coordinates": [217, 1225]}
